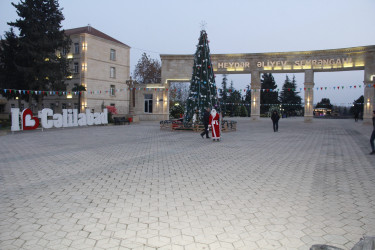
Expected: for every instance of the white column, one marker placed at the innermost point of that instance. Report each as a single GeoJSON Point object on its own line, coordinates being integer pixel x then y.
{"type": "Point", "coordinates": [166, 103]}
{"type": "Point", "coordinates": [369, 105]}
{"type": "Point", "coordinates": [165, 71]}
{"type": "Point", "coordinates": [369, 92]}
{"type": "Point", "coordinates": [309, 95]}
{"type": "Point", "coordinates": [255, 95]}
{"type": "Point", "coordinates": [83, 72]}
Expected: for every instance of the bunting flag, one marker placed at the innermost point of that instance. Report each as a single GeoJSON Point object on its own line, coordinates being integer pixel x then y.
{"type": "Point", "coordinates": [284, 104]}
{"type": "Point", "coordinates": [89, 91]}
{"type": "Point", "coordinates": [99, 92]}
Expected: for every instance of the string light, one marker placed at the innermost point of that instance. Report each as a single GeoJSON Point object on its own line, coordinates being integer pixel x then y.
{"type": "Point", "coordinates": [90, 91]}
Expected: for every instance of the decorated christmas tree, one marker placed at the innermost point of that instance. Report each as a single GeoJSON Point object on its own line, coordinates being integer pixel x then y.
{"type": "Point", "coordinates": [203, 92]}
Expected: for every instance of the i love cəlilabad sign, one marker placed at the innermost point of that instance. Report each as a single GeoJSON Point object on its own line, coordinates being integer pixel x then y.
{"type": "Point", "coordinates": [68, 118]}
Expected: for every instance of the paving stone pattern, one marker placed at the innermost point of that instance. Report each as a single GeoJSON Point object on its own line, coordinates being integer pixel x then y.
{"type": "Point", "coordinates": [136, 187]}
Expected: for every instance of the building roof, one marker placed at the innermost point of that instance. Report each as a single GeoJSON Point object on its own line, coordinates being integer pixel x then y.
{"type": "Point", "coordinates": [92, 31]}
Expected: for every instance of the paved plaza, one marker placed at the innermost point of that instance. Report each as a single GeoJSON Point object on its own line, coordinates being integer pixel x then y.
{"type": "Point", "coordinates": [139, 187]}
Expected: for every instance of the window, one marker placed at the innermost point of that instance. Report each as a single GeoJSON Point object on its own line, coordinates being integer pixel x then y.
{"type": "Point", "coordinates": [113, 55]}
{"type": "Point", "coordinates": [63, 106]}
{"type": "Point", "coordinates": [112, 105]}
{"type": "Point", "coordinates": [12, 105]}
{"type": "Point", "coordinates": [76, 69]}
{"type": "Point", "coordinates": [76, 48]}
{"type": "Point", "coordinates": [113, 72]}
{"type": "Point", "coordinates": [75, 105]}
{"type": "Point", "coordinates": [148, 103]}
{"type": "Point", "coordinates": [2, 108]}
{"type": "Point", "coordinates": [52, 106]}
{"type": "Point", "coordinates": [63, 52]}
{"type": "Point", "coordinates": [22, 106]}
{"type": "Point", "coordinates": [112, 90]}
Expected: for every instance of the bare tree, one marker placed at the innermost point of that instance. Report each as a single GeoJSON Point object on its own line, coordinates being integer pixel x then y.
{"type": "Point", "coordinates": [179, 93]}
{"type": "Point", "coordinates": [147, 70]}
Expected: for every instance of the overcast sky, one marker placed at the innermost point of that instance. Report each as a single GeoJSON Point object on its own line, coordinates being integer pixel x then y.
{"type": "Point", "coordinates": [238, 26]}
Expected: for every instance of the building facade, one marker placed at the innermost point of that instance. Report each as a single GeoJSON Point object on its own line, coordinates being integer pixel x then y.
{"type": "Point", "coordinates": [101, 64]}
{"type": "Point", "coordinates": [150, 102]}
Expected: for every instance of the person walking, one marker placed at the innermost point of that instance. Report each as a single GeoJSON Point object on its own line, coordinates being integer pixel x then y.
{"type": "Point", "coordinates": [372, 138]}
{"type": "Point", "coordinates": [215, 125]}
{"type": "Point", "coordinates": [206, 120]}
{"type": "Point", "coordinates": [356, 115]}
{"type": "Point", "coordinates": [275, 120]}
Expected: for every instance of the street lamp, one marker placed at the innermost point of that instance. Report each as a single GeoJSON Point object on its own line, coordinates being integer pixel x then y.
{"type": "Point", "coordinates": [131, 83]}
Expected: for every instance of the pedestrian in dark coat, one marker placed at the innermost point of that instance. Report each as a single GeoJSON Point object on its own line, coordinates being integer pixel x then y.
{"type": "Point", "coordinates": [372, 138]}
{"type": "Point", "coordinates": [356, 115]}
{"type": "Point", "coordinates": [275, 120]}
{"type": "Point", "coordinates": [206, 120]}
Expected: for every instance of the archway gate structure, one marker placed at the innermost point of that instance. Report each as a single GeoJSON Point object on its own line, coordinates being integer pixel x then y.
{"type": "Point", "coordinates": [178, 68]}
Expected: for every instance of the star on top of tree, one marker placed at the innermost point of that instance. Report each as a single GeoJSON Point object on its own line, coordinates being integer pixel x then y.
{"type": "Point", "coordinates": [203, 25]}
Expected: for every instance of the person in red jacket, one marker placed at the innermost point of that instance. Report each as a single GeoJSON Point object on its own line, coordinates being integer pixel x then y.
{"type": "Point", "coordinates": [214, 123]}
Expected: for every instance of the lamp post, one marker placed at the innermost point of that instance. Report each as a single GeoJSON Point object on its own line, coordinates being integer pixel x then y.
{"type": "Point", "coordinates": [131, 83]}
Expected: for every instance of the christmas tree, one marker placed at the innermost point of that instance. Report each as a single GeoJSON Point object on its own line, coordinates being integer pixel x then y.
{"type": "Point", "coordinates": [269, 94]}
{"type": "Point", "coordinates": [202, 84]}
{"type": "Point", "coordinates": [290, 100]}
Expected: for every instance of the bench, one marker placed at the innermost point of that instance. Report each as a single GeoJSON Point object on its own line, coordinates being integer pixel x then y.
{"type": "Point", "coordinates": [226, 126]}
{"type": "Point", "coordinates": [120, 120]}
{"type": "Point", "coordinates": [167, 124]}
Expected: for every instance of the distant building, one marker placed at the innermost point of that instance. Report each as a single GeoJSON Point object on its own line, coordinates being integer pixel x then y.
{"type": "Point", "coordinates": [101, 64]}
{"type": "Point", "coordinates": [98, 62]}
{"type": "Point", "coordinates": [151, 102]}
{"type": "Point", "coordinates": [318, 112]}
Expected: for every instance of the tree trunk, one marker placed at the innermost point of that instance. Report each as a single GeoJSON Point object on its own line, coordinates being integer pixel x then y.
{"type": "Point", "coordinates": [79, 102]}
{"type": "Point", "coordinates": [30, 101]}
{"type": "Point", "coordinates": [19, 103]}
{"type": "Point", "coordinates": [40, 102]}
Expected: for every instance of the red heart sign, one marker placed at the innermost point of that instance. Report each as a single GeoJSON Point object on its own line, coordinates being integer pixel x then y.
{"type": "Point", "coordinates": [28, 121]}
